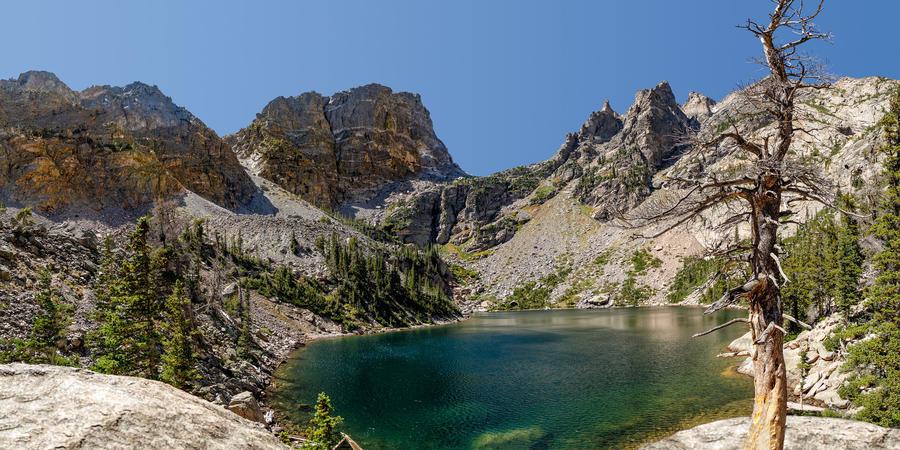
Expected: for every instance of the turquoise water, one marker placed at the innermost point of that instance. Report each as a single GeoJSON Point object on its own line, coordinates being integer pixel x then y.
{"type": "Point", "coordinates": [565, 379]}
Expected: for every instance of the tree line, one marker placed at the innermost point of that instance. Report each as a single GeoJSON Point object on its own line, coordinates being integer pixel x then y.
{"type": "Point", "coordinates": [389, 286]}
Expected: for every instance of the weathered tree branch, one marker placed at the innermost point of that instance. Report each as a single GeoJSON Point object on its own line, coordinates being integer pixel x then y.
{"type": "Point", "coordinates": [730, 296]}
{"type": "Point", "coordinates": [798, 322]}
{"type": "Point", "coordinates": [719, 327]}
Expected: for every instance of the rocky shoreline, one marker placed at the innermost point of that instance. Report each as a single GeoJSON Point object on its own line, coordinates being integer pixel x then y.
{"type": "Point", "coordinates": [803, 433]}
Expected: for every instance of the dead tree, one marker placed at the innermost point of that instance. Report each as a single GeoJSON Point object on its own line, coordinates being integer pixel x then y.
{"type": "Point", "coordinates": [771, 178]}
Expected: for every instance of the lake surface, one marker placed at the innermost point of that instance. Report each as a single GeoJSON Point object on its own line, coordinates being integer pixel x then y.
{"type": "Point", "coordinates": [565, 379]}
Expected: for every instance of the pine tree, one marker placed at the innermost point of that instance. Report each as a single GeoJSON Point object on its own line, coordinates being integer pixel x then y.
{"type": "Point", "coordinates": [295, 246]}
{"type": "Point", "coordinates": [178, 349]}
{"type": "Point", "coordinates": [47, 329]}
{"type": "Point", "coordinates": [49, 322]}
{"type": "Point", "coordinates": [245, 337]}
{"type": "Point", "coordinates": [849, 260]}
{"type": "Point", "coordinates": [322, 432]}
{"type": "Point", "coordinates": [875, 384]}
{"type": "Point", "coordinates": [127, 341]}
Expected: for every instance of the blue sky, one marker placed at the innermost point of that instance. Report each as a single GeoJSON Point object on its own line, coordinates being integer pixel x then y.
{"type": "Point", "coordinates": [504, 80]}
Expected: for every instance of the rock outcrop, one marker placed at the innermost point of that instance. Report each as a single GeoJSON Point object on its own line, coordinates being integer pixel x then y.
{"type": "Point", "coordinates": [58, 407]}
{"type": "Point", "coordinates": [803, 433]}
{"type": "Point", "coordinates": [698, 106]}
{"type": "Point", "coordinates": [814, 373]}
{"type": "Point", "coordinates": [347, 147]}
{"type": "Point", "coordinates": [120, 147]}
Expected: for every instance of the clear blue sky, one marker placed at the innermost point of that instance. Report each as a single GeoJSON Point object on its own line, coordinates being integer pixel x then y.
{"type": "Point", "coordinates": [504, 80]}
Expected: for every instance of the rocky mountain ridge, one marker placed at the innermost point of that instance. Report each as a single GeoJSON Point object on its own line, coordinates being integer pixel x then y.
{"type": "Point", "coordinates": [545, 231]}
{"type": "Point", "coordinates": [611, 166]}
{"type": "Point", "coordinates": [108, 148]}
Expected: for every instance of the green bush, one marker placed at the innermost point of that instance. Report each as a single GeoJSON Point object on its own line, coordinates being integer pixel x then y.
{"type": "Point", "coordinates": [642, 260]}
{"type": "Point", "coordinates": [694, 273]}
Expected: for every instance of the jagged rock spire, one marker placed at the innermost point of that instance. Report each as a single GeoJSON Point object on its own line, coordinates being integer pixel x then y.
{"type": "Point", "coordinates": [606, 107]}
{"type": "Point", "coordinates": [601, 125]}
{"type": "Point", "coordinates": [653, 123]}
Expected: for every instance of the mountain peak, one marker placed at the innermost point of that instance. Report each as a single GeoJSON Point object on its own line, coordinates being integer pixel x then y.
{"type": "Point", "coordinates": [653, 122]}
{"type": "Point", "coordinates": [42, 81]}
{"type": "Point", "coordinates": [606, 107]}
{"type": "Point", "coordinates": [345, 147]}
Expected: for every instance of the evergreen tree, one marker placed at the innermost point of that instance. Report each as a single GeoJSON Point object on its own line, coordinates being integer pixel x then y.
{"type": "Point", "coordinates": [127, 341]}
{"type": "Point", "coordinates": [295, 245]}
{"type": "Point", "coordinates": [46, 330]}
{"type": "Point", "coordinates": [875, 383]}
{"type": "Point", "coordinates": [245, 337]}
{"type": "Point", "coordinates": [50, 321]}
{"type": "Point", "coordinates": [849, 258]}
{"type": "Point", "coordinates": [178, 349]}
{"type": "Point", "coordinates": [322, 432]}
{"type": "Point", "coordinates": [824, 263]}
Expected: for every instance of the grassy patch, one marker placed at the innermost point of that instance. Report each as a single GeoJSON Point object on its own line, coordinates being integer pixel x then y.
{"type": "Point", "coordinates": [542, 194]}
{"type": "Point", "coordinates": [534, 294]}
{"type": "Point", "coordinates": [462, 274]}
{"type": "Point", "coordinates": [642, 260]}
{"type": "Point", "coordinates": [460, 253]}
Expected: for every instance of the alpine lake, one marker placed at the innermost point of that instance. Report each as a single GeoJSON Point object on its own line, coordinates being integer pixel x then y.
{"type": "Point", "coordinates": [555, 379]}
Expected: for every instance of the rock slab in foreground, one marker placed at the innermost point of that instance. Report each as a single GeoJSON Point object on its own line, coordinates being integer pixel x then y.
{"type": "Point", "coordinates": [59, 407]}
{"type": "Point", "coordinates": [803, 433]}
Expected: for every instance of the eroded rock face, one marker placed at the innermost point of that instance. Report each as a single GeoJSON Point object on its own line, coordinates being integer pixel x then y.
{"type": "Point", "coordinates": [653, 125]}
{"type": "Point", "coordinates": [108, 147]}
{"type": "Point", "coordinates": [615, 175]}
{"type": "Point", "coordinates": [59, 407]}
{"type": "Point", "coordinates": [698, 106]}
{"type": "Point", "coordinates": [803, 433]}
{"type": "Point", "coordinates": [345, 147]}
{"type": "Point", "coordinates": [601, 125]}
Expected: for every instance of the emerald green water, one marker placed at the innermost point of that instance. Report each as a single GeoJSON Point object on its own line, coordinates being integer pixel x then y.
{"type": "Point", "coordinates": [565, 379]}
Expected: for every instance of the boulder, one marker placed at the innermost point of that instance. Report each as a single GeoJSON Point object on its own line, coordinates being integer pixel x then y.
{"type": "Point", "coordinates": [741, 344]}
{"type": "Point", "coordinates": [803, 433]}
{"type": "Point", "coordinates": [61, 407]}
{"type": "Point", "coordinates": [246, 406]}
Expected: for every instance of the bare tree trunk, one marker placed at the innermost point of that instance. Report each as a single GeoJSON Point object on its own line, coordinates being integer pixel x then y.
{"type": "Point", "coordinates": [770, 396]}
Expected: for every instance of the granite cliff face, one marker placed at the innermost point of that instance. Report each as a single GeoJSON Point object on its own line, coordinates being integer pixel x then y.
{"type": "Point", "coordinates": [104, 147]}
{"type": "Point", "coordinates": [344, 148]}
